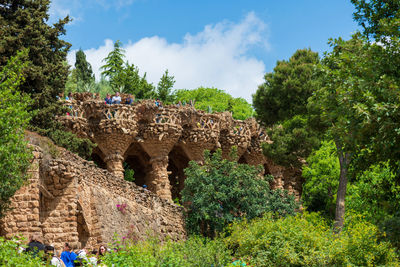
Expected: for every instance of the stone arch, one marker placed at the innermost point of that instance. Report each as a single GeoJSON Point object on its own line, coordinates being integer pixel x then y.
{"type": "Point", "coordinates": [97, 157]}
{"type": "Point", "coordinates": [177, 162]}
{"type": "Point", "coordinates": [82, 227]}
{"type": "Point", "coordinates": [139, 161]}
{"type": "Point", "coordinates": [266, 170]}
{"type": "Point", "coordinates": [242, 160]}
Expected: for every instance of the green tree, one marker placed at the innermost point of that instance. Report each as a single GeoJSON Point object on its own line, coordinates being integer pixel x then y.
{"type": "Point", "coordinates": [281, 104]}
{"type": "Point", "coordinates": [293, 140]}
{"type": "Point", "coordinates": [83, 69]}
{"type": "Point", "coordinates": [379, 18]}
{"type": "Point", "coordinates": [373, 193]}
{"type": "Point", "coordinates": [136, 85]}
{"type": "Point", "coordinates": [164, 87]}
{"type": "Point", "coordinates": [216, 100]}
{"type": "Point", "coordinates": [24, 24]}
{"type": "Point", "coordinates": [14, 154]}
{"type": "Point", "coordinates": [321, 180]}
{"type": "Point", "coordinates": [114, 67]}
{"type": "Point", "coordinates": [286, 90]}
{"type": "Point", "coordinates": [221, 191]}
{"type": "Point", "coordinates": [336, 100]}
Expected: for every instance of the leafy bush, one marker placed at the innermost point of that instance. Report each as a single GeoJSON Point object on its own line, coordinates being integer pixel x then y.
{"type": "Point", "coordinates": [81, 146]}
{"type": "Point", "coordinates": [321, 180]}
{"type": "Point", "coordinates": [196, 251]}
{"type": "Point", "coordinates": [217, 100]}
{"type": "Point", "coordinates": [15, 155]}
{"type": "Point", "coordinates": [374, 193]}
{"type": "Point", "coordinates": [221, 191]}
{"type": "Point", "coordinates": [9, 255]}
{"type": "Point", "coordinates": [307, 240]}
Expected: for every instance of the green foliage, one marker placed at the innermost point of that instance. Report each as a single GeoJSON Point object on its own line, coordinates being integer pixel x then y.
{"type": "Point", "coordinates": [24, 24]}
{"type": "Point", "coordinates": [196, 251]}
{"type": "Point", "coordinates": [9, 255]}
{"type": "Point", "coordinates": [379, 18]}
{"type": "Point", "coordinates": [124, 77]}
{"type": "Point", "coordinates": [14, 154]}
{"type": "Point", "coordinates": [83, 68]}
{"type": "Point", "coordinates": [81, 146]}
{"type": "Point", "coordinates": [216, 100]}
{"type": "Point", "coordinates": [221, 191]}
{"type": "Point", "coordinates": [128, 173]}
{"type": "Point", "coordinates": [281, 103]}
{"type": "Point", "coordinates": [114, 66]}
{"type": "Point", "coordinates": [136, 85]}
{"type": "Point", "coordinates": [307, 240]}
{"type": "Point", "coordinates": [292, 141]}
{"type": "Point", "coordinates": [321, 180]}
{"type": "Point", "coordinates": [286, 90]}
{"type": "Point", "coordinates": [164, 88]}
{"type": "Point", "coordinates": [374, 193]}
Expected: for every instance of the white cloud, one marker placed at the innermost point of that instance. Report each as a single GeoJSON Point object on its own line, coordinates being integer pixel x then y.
{"type": "Point", "coordinates": [216, 57]}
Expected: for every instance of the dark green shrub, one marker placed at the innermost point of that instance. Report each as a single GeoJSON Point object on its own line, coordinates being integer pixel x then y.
{"type": "Point", "coordinates": [221, 191]}
{"type": "Point", "coordinates": [307, 240]}
{"type": "Point", "coordinates": [81, 146]}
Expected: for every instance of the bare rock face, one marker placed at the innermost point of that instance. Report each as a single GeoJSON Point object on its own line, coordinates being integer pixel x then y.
{"type": "Point", "coordinates": [86, 203]}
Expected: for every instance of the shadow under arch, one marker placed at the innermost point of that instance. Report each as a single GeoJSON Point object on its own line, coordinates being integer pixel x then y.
{"type": "Point", "coordinates": [82, 228]}
{"type": "Point", "coordinates": [139, 161]}
{"type": "Point", "coordinates": [177, 162]}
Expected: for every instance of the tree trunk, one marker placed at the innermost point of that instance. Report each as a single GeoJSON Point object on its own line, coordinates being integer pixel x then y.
{"type": "Point", "coordinates": [344, 160]}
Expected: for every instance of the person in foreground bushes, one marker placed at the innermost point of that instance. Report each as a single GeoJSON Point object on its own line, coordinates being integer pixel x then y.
{"type": "Point", "coordinates": [68, 256]}
{"type": "Point", "coordinates": [35, 244]}
{"type": "Point", "coordinates": [52, 257]}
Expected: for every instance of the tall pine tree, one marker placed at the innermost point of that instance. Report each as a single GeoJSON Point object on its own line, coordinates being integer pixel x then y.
{"type": "Point", "coordinates": [23, 24]}
{"type": "Point", "coordinates": [83, 69]}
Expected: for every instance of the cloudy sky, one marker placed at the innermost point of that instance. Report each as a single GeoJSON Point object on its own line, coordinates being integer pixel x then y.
{"type": "Point", "coordinates": [227, 44]}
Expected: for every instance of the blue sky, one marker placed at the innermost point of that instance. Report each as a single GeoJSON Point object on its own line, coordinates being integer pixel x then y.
{"type": "Point", "coordinates": [220, 43]}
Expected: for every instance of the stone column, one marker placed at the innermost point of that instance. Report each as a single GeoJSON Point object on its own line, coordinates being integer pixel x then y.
{"type": "Point", "coordinates": [158, 177]}
{"type": "Point", "coordinates": [115, 164]}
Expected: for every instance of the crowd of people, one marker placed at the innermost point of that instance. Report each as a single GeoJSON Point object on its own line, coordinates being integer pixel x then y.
{"type": "Point", "coordinates": [67, 258]}
{"type": "Point", "coordinates": [129, 100]}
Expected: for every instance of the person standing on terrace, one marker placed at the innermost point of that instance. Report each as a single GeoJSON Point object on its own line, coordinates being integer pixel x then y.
{"type": "Point", "coordinates": [108, 100]}
{"type": "Point", "coordinates": [129, 100]}
{"type": "Point", "coordinates": [116, 99]}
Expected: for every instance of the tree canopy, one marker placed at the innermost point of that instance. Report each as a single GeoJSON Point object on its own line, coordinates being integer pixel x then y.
{"type": "Point", "coordinates": [83, 68]}
{"type": "Point", "coordinates": [215, 100]}
{"type": "Point", "coordinates": [164, 87]}
{"type": "Point", "coordinates": [24, 24]}
{"type": "Point", "coordinates": [379, 18]}
{"type": "Point", "coordinates": [221, 191]}
{"type": "Point", "coordinates": [14, 117]}
{"type": "Point", "coordinates": [286, 90]}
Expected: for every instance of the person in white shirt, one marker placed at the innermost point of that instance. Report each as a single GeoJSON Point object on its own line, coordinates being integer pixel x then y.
{"type": "Point", "coordinates": [116, 99]}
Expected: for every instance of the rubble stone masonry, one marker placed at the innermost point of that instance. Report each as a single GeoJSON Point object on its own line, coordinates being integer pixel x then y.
{"type": "Point", "coordinates": [87, 203]}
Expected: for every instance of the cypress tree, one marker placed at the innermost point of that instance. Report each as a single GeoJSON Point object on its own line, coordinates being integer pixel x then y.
{"type": "Point", "coordinates": [83, 68]}
{"type": "Point", "coordinates": [23, 24]}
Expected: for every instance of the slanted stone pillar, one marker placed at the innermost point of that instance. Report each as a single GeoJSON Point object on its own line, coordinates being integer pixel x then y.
{"type": "Point", "coordinates": [158, 177]}
{"type": "Point", "coordinates": [159, 139]}
{"type": "Point", "coordinates": [115, 164]}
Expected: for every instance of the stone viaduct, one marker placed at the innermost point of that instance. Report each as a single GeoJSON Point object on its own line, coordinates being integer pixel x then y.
{"type": "Point", "coordinates": [85, 203]}
{"type": "Point", "coordinates": [158, 142]}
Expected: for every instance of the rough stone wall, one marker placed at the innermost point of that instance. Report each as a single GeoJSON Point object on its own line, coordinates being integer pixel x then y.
{"type": "Point", "coordinates": [149, 137]}
{"type": "Point", "coordinates": [71, 200]}
{"type": "Point", "coordinates": [24, 215]}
